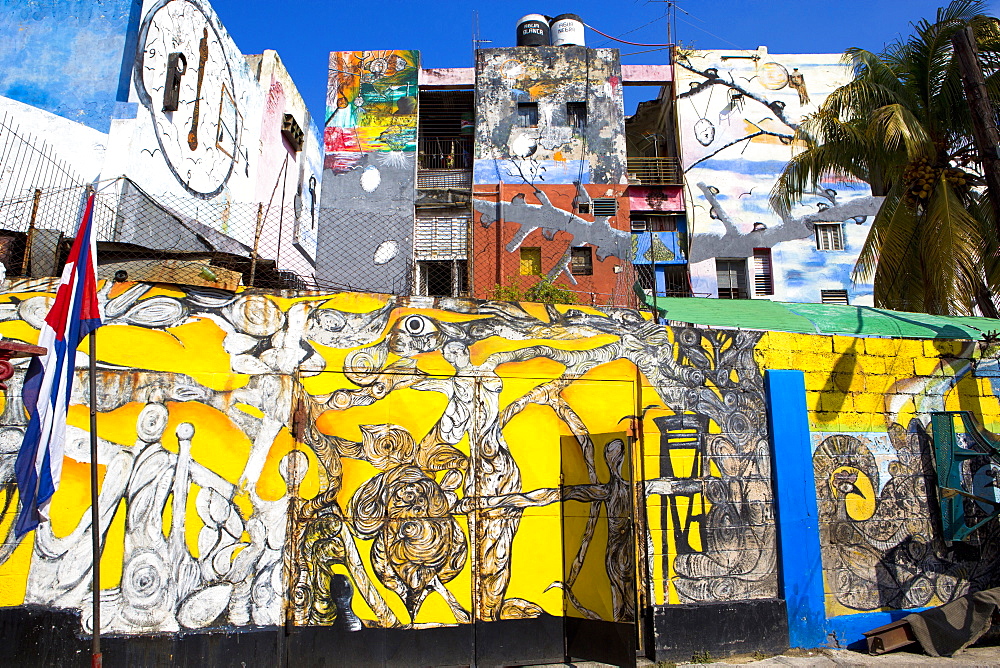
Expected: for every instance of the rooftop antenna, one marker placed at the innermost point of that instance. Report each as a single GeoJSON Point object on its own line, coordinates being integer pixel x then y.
{"type": "Point", "coordinates": [476, 39]}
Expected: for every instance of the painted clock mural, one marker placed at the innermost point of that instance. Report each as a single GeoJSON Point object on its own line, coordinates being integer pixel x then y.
{"type": "Point", "coordinates": [182, 75]}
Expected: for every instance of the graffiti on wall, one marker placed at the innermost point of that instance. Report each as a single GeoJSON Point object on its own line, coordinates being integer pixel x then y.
{"type": "Point", "coordinates": [418, 482]}
{"type": "Point", "coordinates": [738, 113]}
{"type": "Point", "coordinates": [551, 210]}
{"type": "Point", "coordinates": [370, 166]}
{"type": "Point", "coordinates": [371, 106]}
{"type": "Point", "coordinates": [880, 529]}
{"type": "Point", "coordinates": [711, 517]}
{"type": "Point", "coordinates": [529, 130]}
{"type": "Point", "coordinates": [196, 103]}
{"type": "Point", "coordinates": [372, 461]}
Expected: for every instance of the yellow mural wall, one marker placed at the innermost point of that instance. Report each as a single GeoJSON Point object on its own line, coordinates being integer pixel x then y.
{"type": "Point", "coordinates": [367, 461]}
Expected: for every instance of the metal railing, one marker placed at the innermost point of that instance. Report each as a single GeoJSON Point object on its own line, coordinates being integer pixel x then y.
{"type": "Point", "coordinates": [445, 153]}
{"type": "Point", "coordinates": [655, 171]}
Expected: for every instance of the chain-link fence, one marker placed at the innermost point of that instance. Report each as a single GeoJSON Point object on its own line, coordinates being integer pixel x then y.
{"type": "Point", "coordinates": [190, 241]}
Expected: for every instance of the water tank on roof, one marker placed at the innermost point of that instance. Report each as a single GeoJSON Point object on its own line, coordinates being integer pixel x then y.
{"type": "Point", "coordinates": [533, 30]}
{"type": "Point", "coordinates": [567, 30]}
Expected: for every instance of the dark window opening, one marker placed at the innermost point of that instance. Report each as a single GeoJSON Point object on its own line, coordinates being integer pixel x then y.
{"type": "Point", "coordinates": [446, 121]}
{"type": "Point", "coordinates": [583, 207]}
{"type": "Point", "coordinates": [671, 280]}
{"type": "Point", "coordinates": [576, 115]}
{"type": "Point", "coordinates": [732, 277]}
{"type": "Point", "coordinates": [582, 261]}
{"type": "Point", "coordinates": [443, 278]}
{"type": "Point", "coordinates": [527, 114]}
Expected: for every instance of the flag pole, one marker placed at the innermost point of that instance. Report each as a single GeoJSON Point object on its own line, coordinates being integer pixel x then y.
{"type": "Point", "coordinates": [95, 512]}
{"type": "Point", "coordinates": [95, 530]}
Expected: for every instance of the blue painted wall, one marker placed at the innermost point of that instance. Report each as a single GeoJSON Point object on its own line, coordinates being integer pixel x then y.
{"type": "Point", "coordinates": [798, 517]}
{"type": "Point", "coordinates": [70, 57]}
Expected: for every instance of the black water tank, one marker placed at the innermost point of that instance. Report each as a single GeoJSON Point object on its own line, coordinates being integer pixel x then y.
{"type": "Point", "coordinates": [533, 30]}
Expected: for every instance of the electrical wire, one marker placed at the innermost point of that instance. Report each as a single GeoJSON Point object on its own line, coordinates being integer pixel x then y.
{"type": "Point", "coordinates": [604, 34]}
{"type": "Point", "coordinates": [658, 18]}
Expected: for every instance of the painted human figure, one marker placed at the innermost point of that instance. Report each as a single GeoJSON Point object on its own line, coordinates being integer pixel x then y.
{"type": "Point", "coordinates": [797, 80]}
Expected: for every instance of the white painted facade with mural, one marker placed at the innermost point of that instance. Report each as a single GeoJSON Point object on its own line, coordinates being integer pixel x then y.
{"type": "Point", "coordinates": [198, 126]}
{"type": "Point", "coordinates": [737, 113]}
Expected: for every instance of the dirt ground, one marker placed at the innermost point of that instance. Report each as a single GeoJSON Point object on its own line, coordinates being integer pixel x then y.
{"type": "Point", "coordinates": [980, 656]}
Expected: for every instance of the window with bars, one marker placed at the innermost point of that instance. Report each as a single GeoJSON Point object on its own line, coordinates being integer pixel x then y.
{"type": "Point", "coordinates": [830, 237]}
{"type": "Point", "coordinates": [763, 277]}
{"type": "Point", "coordinates": [576, 115]}
{"type": "Point", "coordinates": [527, 114]}
{"type": "Point", "coordinates": [605, 206]}
{"type": "Point", "coordinates": [834, 297]}
{"type": "Point", "coordinates": [582, 261]}
{"type": "Point", "coordinates": [732, 278]}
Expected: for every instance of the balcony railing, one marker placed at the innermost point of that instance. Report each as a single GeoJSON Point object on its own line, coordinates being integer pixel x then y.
{"type": "Point", "coordinates": [655, 171]}
{"type": "Point", "coordinates": [445, 153]}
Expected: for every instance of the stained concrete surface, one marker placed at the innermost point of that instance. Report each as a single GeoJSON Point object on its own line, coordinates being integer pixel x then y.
{"type": "Point", "coordinates": [972, 657]}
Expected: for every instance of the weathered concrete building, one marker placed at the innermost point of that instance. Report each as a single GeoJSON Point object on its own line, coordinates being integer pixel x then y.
{"type": "Point", "coordinates": [519, 165]}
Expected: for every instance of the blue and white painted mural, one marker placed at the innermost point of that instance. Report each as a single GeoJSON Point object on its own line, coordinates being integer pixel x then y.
{"type": "Point", "coordinates": [65, 56]}
{"type": "Point", "coordinates": [738, 111]}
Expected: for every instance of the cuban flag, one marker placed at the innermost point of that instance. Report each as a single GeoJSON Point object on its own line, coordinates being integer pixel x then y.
{"type": "Point", "coordinates": [49, 380]}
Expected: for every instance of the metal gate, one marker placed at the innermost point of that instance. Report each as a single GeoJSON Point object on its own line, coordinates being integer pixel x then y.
{"type": "Point", "coordinates": [467, 519]}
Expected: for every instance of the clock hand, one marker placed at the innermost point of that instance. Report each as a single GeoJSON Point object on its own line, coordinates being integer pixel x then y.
{"type": "Point", "coordinates": [202, 59]}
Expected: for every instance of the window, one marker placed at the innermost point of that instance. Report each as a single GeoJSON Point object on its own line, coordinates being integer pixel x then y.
{"type": "Point", "coordinates": [663, 223]}
{"type": "Point", "coordinates": [582, 261]}
{"type": "Point", "coordinates": [527, 114]}
{"type": "Point", "coordinates": [732, 278]}
{"type": "Point", "coordinates": [671, 279]}
{"type": "Point", "coordinates": [442, 278]}
{"type": "Point", "coordinates": [605, 206]}
{"type": "Point", "coordinates": [833, 296]}
{"type": "Point", "coordinates": [763, 279]}
{"type": "Point", "coordinates": [576, 115]}
{"type": "Point", "coordinates": [583, 207]}
{"type": "Point", "coordinates": [830, 237]}
{"type": "Point", "coordinates": [531, 261]}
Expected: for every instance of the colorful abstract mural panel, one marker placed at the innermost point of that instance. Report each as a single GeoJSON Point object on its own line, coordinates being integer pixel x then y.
{"type": "Point", "coordinates": [372, 102]}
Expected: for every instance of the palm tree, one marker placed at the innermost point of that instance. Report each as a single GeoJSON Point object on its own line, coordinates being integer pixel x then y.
{"type": "Point", "coordinates": [902, 125]}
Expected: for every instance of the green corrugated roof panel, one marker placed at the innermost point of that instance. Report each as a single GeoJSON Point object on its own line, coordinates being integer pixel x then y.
{"type": "Point", "coordinates": [820, 318]}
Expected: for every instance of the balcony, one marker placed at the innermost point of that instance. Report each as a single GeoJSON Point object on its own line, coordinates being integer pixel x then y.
{"type": "Point", "coordinates": [444, 163]}
{"type": "Point", "coordinates": [655, 171]}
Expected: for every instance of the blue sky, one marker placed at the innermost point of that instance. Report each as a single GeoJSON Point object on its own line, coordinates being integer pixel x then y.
{"type": "Point", "coordinates": [303, 32]}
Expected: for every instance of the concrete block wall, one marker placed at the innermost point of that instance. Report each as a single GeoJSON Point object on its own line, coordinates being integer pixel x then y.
{"type": "Point", "coordinates": [404, 472]}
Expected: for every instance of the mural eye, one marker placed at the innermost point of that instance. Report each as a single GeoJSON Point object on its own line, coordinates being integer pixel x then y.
{"type": "Point", "coordinates": [417, 325]}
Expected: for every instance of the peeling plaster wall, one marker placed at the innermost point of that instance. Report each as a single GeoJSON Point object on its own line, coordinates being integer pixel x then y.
{"type": "Point", "coordinates": [738, 112]}
{"type": "Point", "coordinates": [529, 181]}
{"type": "Point", "coordinates": [553, 152]}
{"type": "Point", "coordinates": [287, 177]}
{"type": "Point", "coordinates": [370, 167]}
